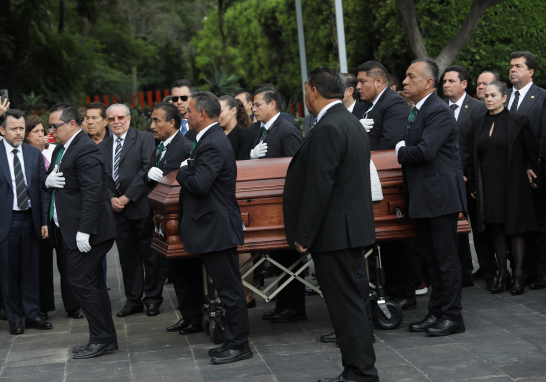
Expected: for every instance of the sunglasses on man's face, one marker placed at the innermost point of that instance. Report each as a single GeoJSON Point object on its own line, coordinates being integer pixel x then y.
{"type": "Point", "coordinates": [182, 98]}
{"type": "Point", "coordinates": [121, 118]}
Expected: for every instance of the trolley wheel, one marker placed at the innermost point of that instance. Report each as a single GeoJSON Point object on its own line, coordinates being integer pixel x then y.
{"type": "Point", "coordinates": [396, 317]}
{"type": "Point", "coordinates": [217, 330]}
{"type": "Point", "coordinates": [205, 322]}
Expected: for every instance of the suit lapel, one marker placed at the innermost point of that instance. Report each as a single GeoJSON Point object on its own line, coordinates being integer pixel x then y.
{"type": "Point", "coordinates": [4, 165]}
{"type": "Point", "coordinates": [529, 100]}
{"type": "Point", "coordinates": [464, 110]}
{"type": "Point", "coordinates": [273, 129]}
{"type": "Point", "coordinates": [109, 154]}
{"type": "Point", "coordinates": [171, 146]}
{"type": "Point", "coordinates": [508, 95]}
{"type": "Point", "coordinates": [70, 150]}
{"type": "Point", "coordinates": [27, 156]}
{"type": "Point", "coordinates": [129, 140]}
{"type": "Point", "coordinates": [203, 137]}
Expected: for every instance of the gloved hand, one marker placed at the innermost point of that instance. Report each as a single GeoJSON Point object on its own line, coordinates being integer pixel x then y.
{"type": "Point", "coordinates": [155, 174]}
{"type": "Point", "coordinates": [185, 163]}
{"type": "Point", "coordinates": [55, 179]}
{"type": "Point", "coordinates": [259, 151]}
{"type": "Point", "coordinates": [398, 145]}
{"type": "Point", "coordinates": [367, 123]}
{"type": "Point", "coordinates": [82, 240]}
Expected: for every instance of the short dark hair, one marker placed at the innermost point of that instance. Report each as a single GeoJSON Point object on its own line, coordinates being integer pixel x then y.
{"type": "Point", "coordinates": [69, 112]}
{"type": "Point", "coordinates": [374, 69]}
{"type": "Point", "coordinates": [461, 72]}
{"type": "Point", "coordinates": [350, 82]}
{"type": "Point", "coordinates": [530, 60]}
{"type": "Point", "coordinates": [182, 83]}
{"type": "Point", "coordinates": [495, 75]}
{"type": "Point", "coordinates": [15, 113]}
{"type": "Point", "coordinates": [393, 80]}
{"type": "Point", "coordinates": [433, 70]}
{"type": "Point", "coordinates": [208, 102]}
{"type": "Point", "coordinates": [328, 82]}
{"type": "Point", "coordinates": [248, 96]}
{"type": "Point", "coordinates": [98, 105]}
{"type": "Point", "coordinates": [171, 112]}
{"type": "Point", "coordinates": [501, 86]}
{"type": "Point", "coordinates": [270, 94]}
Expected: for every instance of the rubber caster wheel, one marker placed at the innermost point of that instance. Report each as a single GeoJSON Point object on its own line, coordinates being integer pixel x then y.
{"type": "Point", "coordinates": [205, 322]}
{"type": "Point", "coordinates": [217, 330]}
{"type": "Point", "coordinates": [396, 317]}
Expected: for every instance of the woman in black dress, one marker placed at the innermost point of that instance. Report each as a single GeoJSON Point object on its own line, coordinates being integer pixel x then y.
{"type": "Point", "coordinates": [235, 121]}
{"type": "Point", "coordinates": [501, 171]}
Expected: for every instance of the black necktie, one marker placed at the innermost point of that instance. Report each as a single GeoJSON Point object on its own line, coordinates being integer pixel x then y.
{"type": "Point", "coordinates": [20, 186]}
{"type": "Point", "coordinates": [515, 103]}
{"type": "Point", "coordinates": [453, 108]}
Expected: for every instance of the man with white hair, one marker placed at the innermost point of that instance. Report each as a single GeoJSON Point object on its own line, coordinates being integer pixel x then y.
{"type": "Point", "coordinates": [128, 152]}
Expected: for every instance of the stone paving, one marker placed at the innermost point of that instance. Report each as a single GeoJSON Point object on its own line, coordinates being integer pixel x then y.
{"type": "Point", "coordinates": [505, 340]}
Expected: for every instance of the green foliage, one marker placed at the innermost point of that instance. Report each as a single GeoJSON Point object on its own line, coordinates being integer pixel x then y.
{"type": "Point", "coordinates": [220, 83]}
{"type": "Point", "coordinates": [32, 102]}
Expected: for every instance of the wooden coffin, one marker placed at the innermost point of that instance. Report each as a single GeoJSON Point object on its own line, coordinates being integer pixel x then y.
{"type": "Point", "coordinates": [259, 191]}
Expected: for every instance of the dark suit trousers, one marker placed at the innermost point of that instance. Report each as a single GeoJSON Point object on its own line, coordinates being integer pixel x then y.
{"type": "Point", "coordinates": [142, 268]}
{"type": "Point", "coordinates": [186, 276]}
{"type": "Point", "coordinates": [69, 299]}
{"type": "Point", "coordinates": [539, 237]}
{"type": "Point", "coordinates": [397, 258]}
{"type": "Point", "coordinates": [19, 263]}
{"type": "Point", "coordinates": [293, 295]}
{"type": "Point", "coordinates": [365, 287]}
{"type": "Point", "coordinates": [337, 277]}
{"type": "Point", "coordinates": [223, 268]}
{"type": "Point", "coordinates": [47, 292]}
{"type": "Point", "coordinates": [439, 238]}
{"type": "Point", "coordinates": [483, 243]}
{"type": "Point", "coordinates": [85, 275]}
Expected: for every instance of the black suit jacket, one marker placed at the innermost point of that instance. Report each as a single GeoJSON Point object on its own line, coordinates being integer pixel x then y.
{"type": "Point", "coordinates": [133, 166]}
{"type": "Point", "coordinates": [210, 218]}
{"type": "Point", "coordinates": [242, 141]}
{"type": "Point", "coordinates": [83, 205]}
{"type": "Point", "coordinates": [327, 200]}
{"type": "Point", "coordinates": [283, 138]}
{"type": "Point", "coordinates": [531, 106]}
{"type": "Point", "coordinates": [431, 165]}
{"type": "Point", "coordinates": [390, 116]}
{"type": "Point", "coordinates": [39, 199]}
{"type": "Point", "coordinates": [190, 135]}
{"type": "Point", "coordinates": [471, 109]}
{"type": "Point", "coordinates": [177, 152]}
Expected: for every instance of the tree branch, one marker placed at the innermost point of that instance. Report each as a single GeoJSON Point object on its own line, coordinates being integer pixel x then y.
{"type": "Point", "coordinates": [409, 20]}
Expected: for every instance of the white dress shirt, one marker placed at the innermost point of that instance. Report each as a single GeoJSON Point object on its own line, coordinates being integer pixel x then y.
{"type": "Point", "coordinates": [166, 143]}
{"type": "Point", "coordinates": [420, 104]}
{"type": "Point", "coordinates": [270, 122]}
{"type": "Point", "coordinates": [374, 102]}
{"type": "Point", "coordinates": [114, 146]}
{"type": "Point", "coordinates": [352, 107]}
{"type": "Point", "coordinates": [325, 109]}
{"type": "Point", "coordinates": [522, 92]}
{"type": "Point", "coordinates": [53, 164]}
{"type": "Point", "coordinates": [458, 103]}
{"type": "Point", "coordinates": [198, 137]}
{"type": "Point", "coordinates": [11, 156]}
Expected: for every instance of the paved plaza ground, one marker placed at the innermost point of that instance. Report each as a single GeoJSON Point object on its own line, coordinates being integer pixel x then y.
{"type": "Point", "coordinates": [505, 340]}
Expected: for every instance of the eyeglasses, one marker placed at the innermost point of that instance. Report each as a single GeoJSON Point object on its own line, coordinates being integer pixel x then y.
{"type": "Point", "coordinates": [182, 98]}
{"type": "Point", "coordinates": [121, 118]}
{"type": "Point", "coordinates": [55, 127]}
{"type": "Point", "coordinates": [257, 104]}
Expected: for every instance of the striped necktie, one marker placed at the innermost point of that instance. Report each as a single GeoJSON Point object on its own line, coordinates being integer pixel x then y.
{"type": "Point", "coordinates": [412, 116]}
{"type": "Point", "coordinates": [20, 186]}
{"type": "Point", "coordinates": [117, 157]}
{"type": "Point", "coordinates": [515, 103]}
{"type": "Point", "coordinates": [160, 149]}
{"type": "Point", "coordinates": [52, 204]}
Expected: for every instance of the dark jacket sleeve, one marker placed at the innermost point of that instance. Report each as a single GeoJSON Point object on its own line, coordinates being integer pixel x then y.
{"type": "Point", "coordinates": [246, 143]}
{"type": "Point", "coordinates": [45, 197]}
{"type": "Point", "coordinates": [394, 125]}
{"type": "Point", "coordinates": [89, 170]}
{"type": "Point", "coordinates": [470, 169]}
{"type": "Point", "coordinates": [137, 188]}
{"type": "Point", "coordinates": [205, 170]}
{"type": "Point", "coordinates": [291, 142]}
{"type": "Point", "coordinates": [530, 145]}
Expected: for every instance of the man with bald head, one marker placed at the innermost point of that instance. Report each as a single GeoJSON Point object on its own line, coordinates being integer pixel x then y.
{"type": "Point", "coordinates": [483, 80]}
{"type": "Point", "coordinates": [434, 194]}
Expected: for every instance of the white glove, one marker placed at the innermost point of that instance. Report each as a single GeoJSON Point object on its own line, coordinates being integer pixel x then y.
{"type": "Point", "coordinates": [82, 240]}
{"type": "Point", "coordinates": [55, 179]}
{"type": "Point", "coordinates": [155, 174]}
{"type": "Point", "coordinates": [398, 145]}
{"type": "Point", "coordinates": [259, 151]}
{"type": "Point", "coordinates": [185, 163]}
{"type": "Point", "coordinates": [367, 123]}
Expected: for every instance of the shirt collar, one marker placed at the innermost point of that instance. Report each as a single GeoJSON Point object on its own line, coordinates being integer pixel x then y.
{"type": "Point", "coordinates": [271, 121]}
{"type": "Point", "coordinates": [523, 90]}
{"type": "Point", "coordinates": [70, 140]}
{"type": "Point", "coordinates": [10, 148]}
{"type": "Point", "coordinates": [419, 104]}
{"type": "Point", "coordinates": [459, 102]}
{"type": "Point", "coordinates": [168, 140]}
{"type": "Point", "coordinates": [200, 135]}
{"type": "Point", "coordinates": [379, 96]}
{"type": "Point", "coordinates": [325, 109]}
{"type": "Point", "coordinates": [114, 137]}
{"type": "Point", "coordinates": [352, 107]}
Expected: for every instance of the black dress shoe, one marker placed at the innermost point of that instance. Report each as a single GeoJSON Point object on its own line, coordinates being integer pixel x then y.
{"type": "Point", "coordinates": [190, 329]}
{"type": "Point", "coordinates": [445, 328]}
{"type": "Point", "coordinates": [288, 315]}
{"type": "Point", "coordinates": [406, 303]}
{"type": "Point", "coordinates": [16, 328]}
{"type": "Point", "coordinates": [499, 282]}
{"type": "Point", "coordinates": [539, 283]}
{"type": "Point", "coordinates": [3, 315]}
{"type": "Point", "coordinates": [270, 314]}
{"type": "Point", "coordinates": [152, 310]}
{"type": "Point", "coordinates": [39, 324]}
{"type": "Point", "coordinates": [477, 275]}
{"type": "Point", "coordinates": [43, 315]}
{"type": "Point", "coordinates": [127, 311]}
{"type": "Point", "coordinates": [328, 338]}
{"type": "Point", "coordinates": [310, 292]}
{"type": "Point", "coordinates": [215, 351]}
{"type": "Point", "coordinates": [423, 325]}
{"type": "Point", "coordinates": [489, 283]}
{"type": "Point", "coordinates": [75, 314]}
{"type": "Point", "coordinates": [251, 304]}
{"type": "Point", "coordinates": [94, 350]}
{"type": "Point", "coordinates": [112, 347]}
{"type": "Point", "coordinates": [232, 355]}
{"type": "Point", "coordinates": [339, 378]}
{"type": "Point", "coordinates": [517, 285]}
{"type": "Point", "coordinates": [181, 324]}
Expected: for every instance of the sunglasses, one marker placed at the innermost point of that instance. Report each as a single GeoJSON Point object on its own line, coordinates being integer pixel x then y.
{"type": "Point", "coordinates": [121, 118]}
{"type": "Point", "coordinates": [182, 98]}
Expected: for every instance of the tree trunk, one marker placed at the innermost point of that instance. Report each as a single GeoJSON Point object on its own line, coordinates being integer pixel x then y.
{"type": "Point", "coordinates": [62, 15]}
{"type": "Point", "coordinates": [221, 12]}
{"type": "Point", "coordinates": [456, 44]}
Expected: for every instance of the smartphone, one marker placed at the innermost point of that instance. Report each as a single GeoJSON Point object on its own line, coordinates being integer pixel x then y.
{"type": "Point", "coordinates": [4, 95]}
